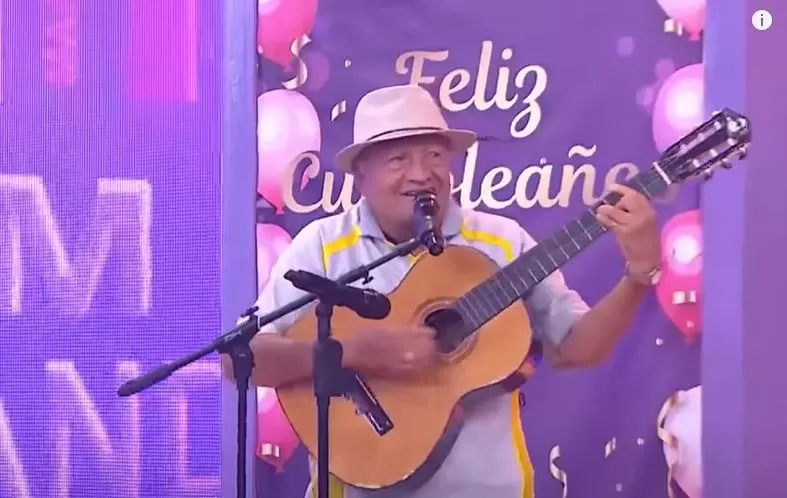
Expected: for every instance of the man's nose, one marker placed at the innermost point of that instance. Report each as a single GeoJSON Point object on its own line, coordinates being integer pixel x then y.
{"type": "Point", "coordinates": [418, 172]}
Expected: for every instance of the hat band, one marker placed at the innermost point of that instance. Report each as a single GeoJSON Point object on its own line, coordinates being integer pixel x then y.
{"type": "Point", "coordinates": [399, 130]}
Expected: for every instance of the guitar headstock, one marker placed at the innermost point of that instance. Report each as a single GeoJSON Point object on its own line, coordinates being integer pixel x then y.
{"type": "Point", "coordinates": [712, 145]}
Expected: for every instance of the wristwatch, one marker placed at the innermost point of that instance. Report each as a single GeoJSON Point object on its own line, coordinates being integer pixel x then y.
{"type": "Point", "coordinates": [648, 279]}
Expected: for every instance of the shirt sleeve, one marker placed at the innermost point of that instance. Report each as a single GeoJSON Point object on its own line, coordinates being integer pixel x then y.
{"type": "Point", "coordinates": [303, 253]}
{"type": "Point", "coordinates": [554, 308]}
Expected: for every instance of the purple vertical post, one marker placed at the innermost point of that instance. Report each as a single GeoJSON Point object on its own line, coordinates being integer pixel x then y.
{"type": "Point", "coordinates": [238, 217]}
{"type": "Point", "coordinates": [745, 236]}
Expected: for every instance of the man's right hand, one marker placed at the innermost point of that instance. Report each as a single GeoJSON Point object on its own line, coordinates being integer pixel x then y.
{"type": "Point", "coordinates": [391, 352]}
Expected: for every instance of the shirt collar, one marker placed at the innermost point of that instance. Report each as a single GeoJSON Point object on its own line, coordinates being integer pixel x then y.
{"type": "Point", "coordinates": [368, 227]}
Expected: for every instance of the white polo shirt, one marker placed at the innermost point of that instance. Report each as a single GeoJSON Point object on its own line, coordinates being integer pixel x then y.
{"type": "Point", "coordinates": [489, 457]}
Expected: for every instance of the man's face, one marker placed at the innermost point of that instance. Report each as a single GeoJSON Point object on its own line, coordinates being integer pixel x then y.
{"type": "Point", "coordinates": [387, 172]}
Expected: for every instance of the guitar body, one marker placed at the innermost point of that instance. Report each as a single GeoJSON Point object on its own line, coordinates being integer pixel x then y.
{"type": "Point", "coordinates": [421, 410]}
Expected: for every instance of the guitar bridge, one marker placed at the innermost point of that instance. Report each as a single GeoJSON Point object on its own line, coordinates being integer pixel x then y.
{"type": "Point", "coordinates": [361, 396]}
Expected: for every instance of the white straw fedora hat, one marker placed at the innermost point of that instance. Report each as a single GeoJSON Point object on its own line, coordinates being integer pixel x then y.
{"type": "Point", "coordinates": [397, 112]}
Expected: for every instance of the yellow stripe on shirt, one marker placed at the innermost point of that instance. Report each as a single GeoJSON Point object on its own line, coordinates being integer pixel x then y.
{"type": "Point", "coordinates": [339, 244]}
{"type": "Point", "coordinates": [517, 434]}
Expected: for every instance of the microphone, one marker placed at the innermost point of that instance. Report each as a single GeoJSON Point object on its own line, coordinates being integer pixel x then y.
{"type": "Point", "coordinates": [364, 302]}
{"type": "Point", "coordinates": [425, 208]}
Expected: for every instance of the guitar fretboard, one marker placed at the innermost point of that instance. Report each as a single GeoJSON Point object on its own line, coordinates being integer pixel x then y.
{"type": "Point", "coordinates": [514, 281]}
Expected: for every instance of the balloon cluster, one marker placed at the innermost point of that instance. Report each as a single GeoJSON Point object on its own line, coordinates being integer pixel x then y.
{"type": "Point", "coordinates": [678, 290]}
{"type": "Point", "coordinates": [680, 429]}
{"type": "Point", "coordinates": [287, 127]}
{"type": "Point", "coordinates": [287, 123]}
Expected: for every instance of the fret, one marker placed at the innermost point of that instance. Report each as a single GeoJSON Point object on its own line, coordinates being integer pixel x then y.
{"type": "Point", "coordinates": [567, 244]}
{"type": "Point", "coordinates": [543, 271]}
{"type": "Point", "coordinates": [554, 251]}
{"type": "Point", "coordinates": [507, 288]}
{"type": "Point", "coordinates": [590, 224]}
{"type": "Point", "coordinates": [548, 253]}
{"type": "Point", "coordinates": [487, 299]}
{"type": "Point", "coordinates": [584, 228]}
{"type": "Point", "coordinates": [577, 233]}
{"type": "Point", "coordinates": [641, 184]}
{"type": "Point", "coordinates": [498, 290]}
{"type": "Point", "coordinates": [649, 183]}
{"type": "Point", "coordinates": [522, 274]}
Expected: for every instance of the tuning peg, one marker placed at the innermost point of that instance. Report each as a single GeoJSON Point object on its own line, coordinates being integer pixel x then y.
{"type": "Point", "coordinates": [707, 174]}
{"type": "Point", "coordinates": [725, 164]}
{"type": "Point", "coordinates": [742, 152]}
{"type": "Point", "coordinates": [715, 113]}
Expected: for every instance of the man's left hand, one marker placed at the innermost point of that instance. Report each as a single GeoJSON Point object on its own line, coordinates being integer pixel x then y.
{"type": "Point", "coordinates": [633, 222]}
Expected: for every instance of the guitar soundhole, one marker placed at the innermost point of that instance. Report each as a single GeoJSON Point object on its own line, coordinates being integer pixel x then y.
{"type": "Point", "coordinates": [449, 329]}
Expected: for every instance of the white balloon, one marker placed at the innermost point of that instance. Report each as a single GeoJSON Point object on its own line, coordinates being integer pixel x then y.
{"type": "Point", "coordinates": [684, 422]}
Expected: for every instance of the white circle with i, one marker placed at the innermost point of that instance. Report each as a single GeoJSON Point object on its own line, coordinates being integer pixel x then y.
{"type": "Point", "coordinates": [761, 20]}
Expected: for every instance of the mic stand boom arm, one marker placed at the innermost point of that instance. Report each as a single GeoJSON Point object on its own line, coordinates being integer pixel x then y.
{"type": "Point", "coordinates": [236, 344]}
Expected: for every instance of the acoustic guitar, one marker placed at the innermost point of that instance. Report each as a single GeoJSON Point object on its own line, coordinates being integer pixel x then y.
{"type": "Point", "coordinates": [391, 436]}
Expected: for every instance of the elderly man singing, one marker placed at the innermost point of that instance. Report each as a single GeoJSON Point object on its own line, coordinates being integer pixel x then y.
{"type": "Point", "coordinates": [402, 145]}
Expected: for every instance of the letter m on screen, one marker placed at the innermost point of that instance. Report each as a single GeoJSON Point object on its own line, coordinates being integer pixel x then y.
{"type": "Point", "coordinates": [43, 269]}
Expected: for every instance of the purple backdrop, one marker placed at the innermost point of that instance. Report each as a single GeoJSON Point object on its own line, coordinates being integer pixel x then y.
{"type": "Point", "coordinates": [109, 171]}
{"type": "Point", "coordinates": [109, 246]}
{"type": "Point", "coordinates": [591, 86]}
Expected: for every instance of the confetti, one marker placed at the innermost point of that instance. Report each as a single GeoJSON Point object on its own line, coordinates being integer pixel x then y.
{"type": "Point", "coordinates": [348, 63]}
{"type": "Point", "coordinates": [303, 72]}
{"type": "Point", "coordinates": [268, 449]}
{"type": "Point", "coordinates": [671, 26]}
{"type": "Point", "coordinates": [640, 441]}
{"type": "Point", "coordinates": [338, 110]}
{"type": "Point", "coordinates": [665, 436]}
{"type": "Point", "coordinates": [659, 341]}
{"type": "Point", "coordinates": [684, 297]}
{"type": "Point", "coordinates": [556, 471]}
{"type": "Point", "coordinates": [609, 448]}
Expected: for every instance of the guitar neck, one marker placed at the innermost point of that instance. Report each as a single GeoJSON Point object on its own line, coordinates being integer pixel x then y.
{"type": "Point", "coordinates": [517, 279]}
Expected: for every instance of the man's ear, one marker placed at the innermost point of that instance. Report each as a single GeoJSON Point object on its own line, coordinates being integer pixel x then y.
{"type": "Point", "coordinates": [358, 178]}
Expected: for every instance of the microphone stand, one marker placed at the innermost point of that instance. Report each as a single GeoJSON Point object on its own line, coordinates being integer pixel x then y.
{"type": "Point", "coordinates": [236, 344]}
{"type": "Point", "coordinates": [329, 377]}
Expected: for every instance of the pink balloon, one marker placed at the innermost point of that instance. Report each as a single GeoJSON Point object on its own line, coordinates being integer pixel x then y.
{"type": "Point", "coordinates": [276, 441]}
{"type": "Point", "coordinates": [679, 106]}
{"type": "Point", "coordinates": [287, 126]}
{"type": "Point", "coordinates": [679, 298]}
{"type": "Point", "coordinates": [679, 290]}
{"type": "Point", "coordinates": [688, 13]}
{"type": "Point", "coordinates": [281, 22]}
{"type": "Point", "coordinates": [272, 240]}
{"type": "Point", "coordinates": [681, 243]}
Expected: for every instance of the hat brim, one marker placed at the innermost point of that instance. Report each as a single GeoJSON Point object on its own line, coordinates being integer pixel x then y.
{"type": "Point", "coordinates": [461, 140]}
